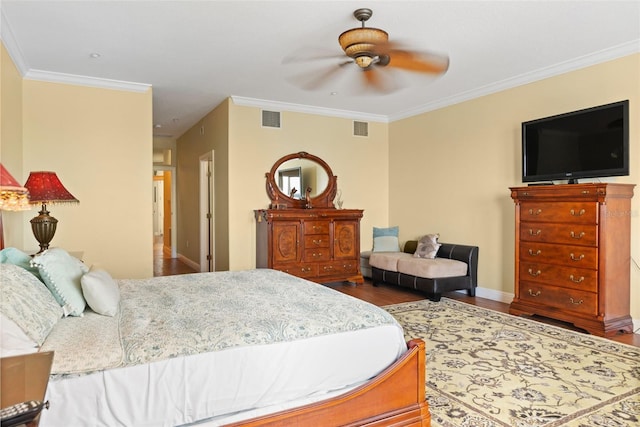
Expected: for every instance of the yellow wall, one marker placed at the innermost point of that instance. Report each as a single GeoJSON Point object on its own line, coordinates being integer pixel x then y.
{"type": "Point", "coordinates": [209, 134]}
{"type": "Point", "coordinates": [99, 142]}
{"type": "Point", "coordinates": [11, 137]}
{"type": "Point", "coordinates": [450, 169]}
{"type": "Point", "coordinates": [360, 163]}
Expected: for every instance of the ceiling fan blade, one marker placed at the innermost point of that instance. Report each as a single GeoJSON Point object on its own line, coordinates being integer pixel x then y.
{"type": "Point", "coordinates": [418, 61]}
{"type": "Point", "coordinates": [312, 54]}
{"type": "Point", "coordinates": [314, 80]}
{"type": "Point", "coordinates": [374, 79]}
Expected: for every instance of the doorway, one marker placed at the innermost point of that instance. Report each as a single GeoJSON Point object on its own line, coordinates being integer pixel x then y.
{"type": "Point", "coordinates": [164, 220]}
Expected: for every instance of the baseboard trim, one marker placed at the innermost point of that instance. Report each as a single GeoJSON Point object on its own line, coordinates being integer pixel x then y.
{"type": "Point", "coordinates": [507, 297]}
{"type": "Point", "coordinates": [492, 294]}
{"type": "Point", "coordinates": [190, 263]}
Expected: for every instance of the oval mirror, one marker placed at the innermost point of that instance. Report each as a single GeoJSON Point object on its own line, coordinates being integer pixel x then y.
{"type": "Point", "coordinates": [295, 175]}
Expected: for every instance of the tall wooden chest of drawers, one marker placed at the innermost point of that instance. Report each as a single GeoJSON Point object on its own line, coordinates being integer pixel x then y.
{"type": "Point", "coordinates": [321, 245]}
{"type": "Point", "coordinates": [572, 260]}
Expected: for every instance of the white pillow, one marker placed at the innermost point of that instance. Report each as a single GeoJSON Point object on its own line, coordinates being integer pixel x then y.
{"type": "Point", "coordinates": [101, 292]}
{"type": "Point", "coordinates": [61, 273]}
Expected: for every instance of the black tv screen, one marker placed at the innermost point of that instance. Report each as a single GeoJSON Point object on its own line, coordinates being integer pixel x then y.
{"type": "Point", "coordinates": [589, 143]}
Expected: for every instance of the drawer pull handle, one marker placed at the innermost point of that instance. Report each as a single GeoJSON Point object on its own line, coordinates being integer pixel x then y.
{"type": "Point", "coordinates": [574, 302]}
{"type": "Point", "coordinates": [328, 268]}
{"type": "Point", "coordinates": [574, 280]}
{"type": "Point", "coordinates": [317, 254]}
{"type": "Point", "coordinates": [534, 233]}
{"type": "Point", "coordinates": [534, 274]}
{"type": "Point", "coordinates": [534, 295]}
{"type": "Point", "coordinates": [536, 253]}
{"type": "Point", "coordinates": [317, 242]}
{"type": "Point", "coordinates": [536, 212]}
{"type": "Point", "coordinates": [575, 258]}
{"type": "Point", "coordinates": [579, 213]}
{"type": "Point", "coordinates": [578, 236]}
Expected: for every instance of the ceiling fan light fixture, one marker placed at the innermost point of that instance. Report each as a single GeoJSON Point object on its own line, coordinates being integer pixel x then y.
{"type": "Point", "coordinates": [362, 41]}
{"type": "Point", "coordinates": [363, 61]}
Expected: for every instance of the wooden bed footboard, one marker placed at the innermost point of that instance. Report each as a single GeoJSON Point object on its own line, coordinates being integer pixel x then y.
{"type": "Point", "coordinates": [396, 397]}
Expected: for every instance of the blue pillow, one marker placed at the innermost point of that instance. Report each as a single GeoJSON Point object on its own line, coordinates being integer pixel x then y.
{"type": "Point", "coordinates": [386, 239]}
{"type": "Point", "coordinates": [62, 274]}
{"type": "Point", "coordinates": [17, 257]}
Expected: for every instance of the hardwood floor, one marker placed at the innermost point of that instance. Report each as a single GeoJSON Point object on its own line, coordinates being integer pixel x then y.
{"type": "Point", "coordinates": [381, 295]}
{"type": "Point", "coordinates": [385, 295]}
{"type": "Point", "coordinates": [164, 265]}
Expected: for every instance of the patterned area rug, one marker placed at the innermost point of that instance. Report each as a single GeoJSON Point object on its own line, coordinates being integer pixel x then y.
{"type": "Point", "coordinates": [486, 368]}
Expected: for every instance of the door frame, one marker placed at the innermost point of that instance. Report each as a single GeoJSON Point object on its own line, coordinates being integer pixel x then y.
{"type": "Point", "coordinates": [207, 205]}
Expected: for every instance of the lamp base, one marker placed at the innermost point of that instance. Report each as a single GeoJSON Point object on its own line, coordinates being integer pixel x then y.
{"type": "Point", "coordinates": [44, 228]}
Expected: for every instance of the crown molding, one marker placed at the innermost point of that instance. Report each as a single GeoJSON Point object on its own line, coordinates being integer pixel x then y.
{"type": "Point", "coordinates": [605, 55]}
{"type": "Point", "coordinates": [13, 49]}
{"type": "Point", "coordinates": [74, 79]}
{"type": "Point", "coordinates": [299, 108]}
{"type": "Point", "coordinates": [9, 41]}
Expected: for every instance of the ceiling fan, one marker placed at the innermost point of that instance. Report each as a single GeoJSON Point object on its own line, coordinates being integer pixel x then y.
{"type": "Point", "coordinates": [370, 50]}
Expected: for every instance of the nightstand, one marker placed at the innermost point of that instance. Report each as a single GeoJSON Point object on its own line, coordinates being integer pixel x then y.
{"type": "Point", "coordinates": [24, 378]}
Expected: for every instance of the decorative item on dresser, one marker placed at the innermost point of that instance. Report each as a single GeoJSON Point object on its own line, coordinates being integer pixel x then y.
{"type": "Point", "coordinates": [572, 254]}
{"type": "Point", "coordinates": [307, 237]}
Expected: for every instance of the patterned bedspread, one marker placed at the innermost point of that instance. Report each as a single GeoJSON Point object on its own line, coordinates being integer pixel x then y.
{"type": "Point", "coordinates": [166, 317]}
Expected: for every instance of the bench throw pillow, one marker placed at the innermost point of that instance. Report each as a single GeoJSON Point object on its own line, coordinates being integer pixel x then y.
{"type": "Point", "coordinates": [386, 239]}
{"type": "Point", "coordinates": [427, 246]}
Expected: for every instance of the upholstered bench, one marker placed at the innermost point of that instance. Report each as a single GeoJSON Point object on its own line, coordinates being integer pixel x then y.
{"type": "Point", "coordinates": [365, 267]}
{"type": "Point", "coordinates": [455, 267]}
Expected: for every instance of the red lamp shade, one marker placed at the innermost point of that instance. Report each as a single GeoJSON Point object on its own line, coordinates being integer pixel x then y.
{"type": "Point", "coordinates": [13, 196]}
{"type": "Point", "coordinates": [46, 188]}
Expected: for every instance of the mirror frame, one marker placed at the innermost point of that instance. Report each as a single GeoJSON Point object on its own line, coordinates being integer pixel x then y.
{"type": "Point", "coordinates": [279, 200]}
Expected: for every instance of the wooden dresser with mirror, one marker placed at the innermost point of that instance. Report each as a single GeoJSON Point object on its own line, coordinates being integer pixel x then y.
{"type": "Point", "coordinates": [302, 233]}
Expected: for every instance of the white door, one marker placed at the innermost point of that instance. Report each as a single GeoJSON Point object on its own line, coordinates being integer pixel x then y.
{"type": "Point", "coordinates": [158, 207]}
{"type": "Point", "coordinates": [207, 219]}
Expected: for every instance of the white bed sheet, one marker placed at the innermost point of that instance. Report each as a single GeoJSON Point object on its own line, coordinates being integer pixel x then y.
{"type": "Point", "coordinates": [214, 386]}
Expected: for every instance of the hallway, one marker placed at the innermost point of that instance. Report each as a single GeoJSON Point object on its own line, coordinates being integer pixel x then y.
{"type": "Point", "coordinates": [164, 265]}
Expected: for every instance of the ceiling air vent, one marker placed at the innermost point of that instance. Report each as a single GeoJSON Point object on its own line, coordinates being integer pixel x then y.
{"type": "Point", "coordinates": [360, 128]}
{"type": "Point", "coordinates": [270, 119]}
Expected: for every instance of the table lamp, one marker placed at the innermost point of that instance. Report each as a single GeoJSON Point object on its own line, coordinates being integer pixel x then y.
{"type": "Point", "coordinates": [45, 188]}
{"type": "Point", "coordinates": [13, 197]}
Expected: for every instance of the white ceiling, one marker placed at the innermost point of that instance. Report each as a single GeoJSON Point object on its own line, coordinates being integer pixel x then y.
{"type": "Point", "coordinates": [197, 53]}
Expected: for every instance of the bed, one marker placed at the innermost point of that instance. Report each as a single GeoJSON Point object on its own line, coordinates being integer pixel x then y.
{"type": "Point", "coordinates": [256, 347]}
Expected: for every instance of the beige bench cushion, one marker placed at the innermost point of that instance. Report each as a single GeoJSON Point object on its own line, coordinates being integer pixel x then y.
{"type": "Point", "coordinates": [432, 268]}
{"type": "Point", "coordinates": [387, 260]}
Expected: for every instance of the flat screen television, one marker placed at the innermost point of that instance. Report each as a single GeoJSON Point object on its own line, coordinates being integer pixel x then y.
{"type": "Point", "coordinates": [589, 143]}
